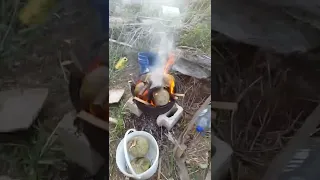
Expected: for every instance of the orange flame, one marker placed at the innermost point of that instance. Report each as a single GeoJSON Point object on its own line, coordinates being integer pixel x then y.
{"type": "Point", "coordinates": [171, 86]}
{"type": "Point", "coordinates": [169, 63]}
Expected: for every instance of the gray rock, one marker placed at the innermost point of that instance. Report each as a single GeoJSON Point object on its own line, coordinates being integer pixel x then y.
{"type": "Point", "coordinates": [191, 69]}
{"type": "Point", "coordinates": [77, 147]}
{"type": "Point", "coordinates": [19, 108]}
{"type": "Point", "coordinates": [261, 24]}
{"type": "Point", "coordinates": [221, 159]}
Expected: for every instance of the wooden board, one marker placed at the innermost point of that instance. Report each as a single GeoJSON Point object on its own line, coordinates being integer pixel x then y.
{"type": "Point", "coordinates": [93, 120]}
{"type": "Point", "coordinates": [298, 141]}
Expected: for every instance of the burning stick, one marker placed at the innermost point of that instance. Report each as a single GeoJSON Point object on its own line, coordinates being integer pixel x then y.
{"type": "Point", "coordinates": [146, 86]}
{"type": "Point", "coordinates": [142, 101]}
{"type": "Point", "coordinates": [93, 120]}
{"type": "Point", "coordinates": [178, 95]}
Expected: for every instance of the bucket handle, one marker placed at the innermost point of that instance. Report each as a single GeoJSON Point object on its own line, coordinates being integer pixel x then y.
{"type": "Point", "coordinates": [126, 155]}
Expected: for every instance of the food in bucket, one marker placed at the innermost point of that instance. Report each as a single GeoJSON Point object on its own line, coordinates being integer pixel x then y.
{"type": "Point", "coordinates": [140, 164]}
{"type": "Point", "coordinates": [138, 146]}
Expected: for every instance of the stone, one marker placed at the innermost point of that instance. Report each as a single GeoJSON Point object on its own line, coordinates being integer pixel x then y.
{"type": "Point", "coordinates": [19, 108]}
{"type": "Point", "coordinates": [115, 95]}
{"type": "Point", "coordinates": [190, 69]}
{"type": "Point", "coordinates": [77, 147]}
{"type": "Point", "coordinates": [267, 24]}
{"type": "Point", "coordinates": [170, 118]}
{"type": "Point", "coordinates": [221, 159]}
{"type": "Point", "coordinates": [132, 107]}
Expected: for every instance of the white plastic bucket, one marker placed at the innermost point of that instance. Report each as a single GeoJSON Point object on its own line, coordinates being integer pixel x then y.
{"type": "Point", "coordinates": [123, 158]}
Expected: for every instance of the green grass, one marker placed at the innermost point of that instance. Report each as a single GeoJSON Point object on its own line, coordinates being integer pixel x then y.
{"type": "Point", "coordinates": [197, 31]}
{"type": "Point", "coordinates": [36, 159]}
{"type": "Point", "coordinates": [115, 53]}
{"type": "Point", "coordinates": [198, 37]}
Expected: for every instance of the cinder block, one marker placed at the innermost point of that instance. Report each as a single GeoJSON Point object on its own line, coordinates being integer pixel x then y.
{"type": "Point", "coordinates": [170, 118]}
{"type": "Point", "coordinates": [77, 147]}
{"type": "Point", "coordinates": [132, 107]}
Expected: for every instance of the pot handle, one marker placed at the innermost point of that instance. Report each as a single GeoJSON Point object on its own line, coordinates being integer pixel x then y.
{"type": "Point", "coordinates": [126, 155]}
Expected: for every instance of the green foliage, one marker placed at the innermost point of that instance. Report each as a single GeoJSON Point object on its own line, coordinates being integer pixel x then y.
{"type": "Point", "coordinates": [199, 37]}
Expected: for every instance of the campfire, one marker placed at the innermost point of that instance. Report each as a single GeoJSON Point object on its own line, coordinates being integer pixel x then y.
{"type": "Point", "coordinates": [155, 97]}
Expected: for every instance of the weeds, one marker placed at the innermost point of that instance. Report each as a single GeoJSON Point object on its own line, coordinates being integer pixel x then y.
{"type": "Point", "coordinates": [38, 158]}
{"type": "Point", "coordinates": [198, 37]}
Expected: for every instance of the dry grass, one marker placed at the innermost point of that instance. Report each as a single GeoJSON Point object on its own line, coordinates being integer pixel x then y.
{"type": "Point", "coordinates": [269, 112]}
{"type": "Point", "coordinates": [39, 157]}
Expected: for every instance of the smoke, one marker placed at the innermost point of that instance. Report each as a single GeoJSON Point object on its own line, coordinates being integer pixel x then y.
{"type": "Point", "coordinates": [163, 33]}
{"type": "Point", "coordinates": [157, 71]}
{"type": "Point", "coordinates": [161, 19]}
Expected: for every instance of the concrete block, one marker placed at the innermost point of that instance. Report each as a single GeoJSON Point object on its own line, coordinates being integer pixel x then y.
{"type": "Point", "coordinates": [132, 107]}
{"type": "Point", "coordinates": [77, 147]}
{"type": "Point", "coordinates": [170, 118]}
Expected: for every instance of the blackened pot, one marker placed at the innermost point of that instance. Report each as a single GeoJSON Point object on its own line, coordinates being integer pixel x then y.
{"type": "Point", "coordinates": [153, 110]}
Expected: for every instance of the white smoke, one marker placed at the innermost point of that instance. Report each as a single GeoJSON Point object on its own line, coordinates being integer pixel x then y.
{"type": "Point", "coordinates": [160, 19]}
{"type": "Point", "coordinates": [163, 30]}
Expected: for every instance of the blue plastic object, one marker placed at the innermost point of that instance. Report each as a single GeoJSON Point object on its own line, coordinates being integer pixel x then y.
{"type": "Point", "coordinates": [203, 122]}
{"type": "Point", "coordinates": [146, 60]}
{"type": "Point", "coordinates": [199, 129]}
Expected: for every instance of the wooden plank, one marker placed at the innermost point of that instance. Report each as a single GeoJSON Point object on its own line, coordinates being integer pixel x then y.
{"type": "Point", "coordinates": [93, 120]}
{"type": "Point", "coordinates": [209, 173]}
{"type": "Point", "coordinates": [142, 101]}
{"type": "Point", "coordinates": [178, 151]}
{"type": "Point", "coordinates": [224, 105]}
{"type": "Point", "coordinates": [298, 141]}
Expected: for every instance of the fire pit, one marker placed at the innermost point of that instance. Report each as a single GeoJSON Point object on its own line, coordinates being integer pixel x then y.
{"type": "Point", "coordinates": [154, 92]}
{"type": "Point", "coordinates": [146, 104]}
